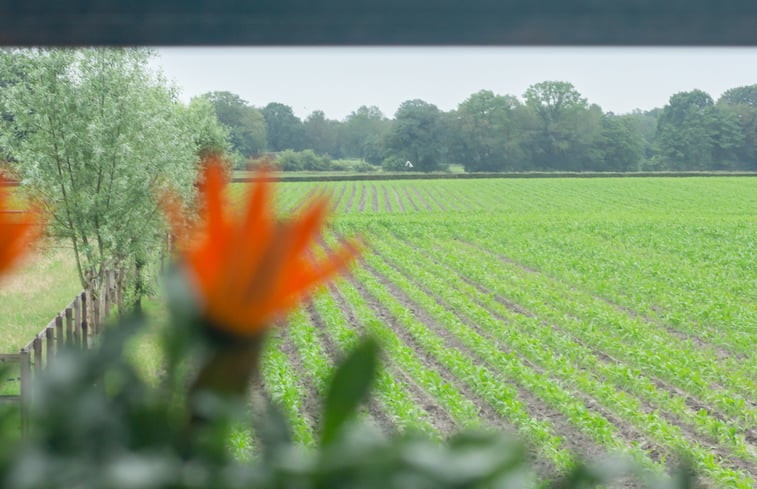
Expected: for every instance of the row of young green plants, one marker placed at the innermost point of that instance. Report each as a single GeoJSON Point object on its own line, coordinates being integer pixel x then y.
{"type": "Point", "coordinates": [392, 393]}
{"type": "Point", "coordinates": [729, 434]}
{"type": "Point", "coordinates": [710, 197]}
{"type": "Point", "coordinates": [617, 401]}
{"type": "Point", "coordinates": [705, 243]}
{"type": "Point", "coordinates": [472, 340]}
{"type": "Point", "coordinates": [287, 389]}
{"type": "Point", "coordinates": [390, 197]}
{"type": "Point", "coordinates": [700, 367]}
{"type": "Point", "coordinates": [705, 421]}
{"type": "Point", "coordinates": [640, 344]}
{"type": "Point", "coordinates": [734, 379]}
{"type": "Point", "coordinates": [532, 339]}
{"type": "Point", "coordinates": [318, 367]}
{"type": "Point", "coordinates": [630, 264]}
{"type": "Point", "coordinates": [460, 409]}
{"type": "Point", "coordinates": [481, 380]}
{"type": "Point", "coordinates": [711, 300]}
{"type": "Point", "coordinates": [634, 199]}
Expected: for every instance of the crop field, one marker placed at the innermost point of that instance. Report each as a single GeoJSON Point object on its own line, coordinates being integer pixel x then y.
{"type": "Point", "coordinates": [585, 315]}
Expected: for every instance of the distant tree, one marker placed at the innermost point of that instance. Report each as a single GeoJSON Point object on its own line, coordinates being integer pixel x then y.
{"type": "Point", "coordinates": [692, 134]}
{"type": "Point", "coordinates": [684, 139]}
{"type": "Point", "coordinates": [563, 126]}
{"type": "Point", "coordinates": [245, 124]}
{"type": "Point", "coordinates": [285, 130]}
{"type": "Point", "coordinates": [620, 144]}
{"type": "Point", "coordinates": [728, 139]}
{"type": "Point", "coordinates": [485, 135]}
{"type": "Point", "coordinates": [416, 134]}
{"type": "Point", "coordinates": [363, 132]}
{"type": "Point", "coordinates": [740, 104]}
{"type": "Point", "coordinates": [10, 75]}
{"type": "Point", "coordinates": [210, 136]}
{"type": "Point", "coordinates": [321, 134]}
{"type": "Point", "coordinates": [102, 137]}
{"type": "Point", "coordinates": [746, 95]}
{"type": "Point", "coordinates": [645, 125]}
{"type": "Point", "coordinates": [374, 149]}
{"type": "Point", "coordinates": [584, 151]}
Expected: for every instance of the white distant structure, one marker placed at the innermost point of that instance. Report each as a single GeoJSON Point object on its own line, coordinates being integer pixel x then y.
{"type": "Point", "coordinates": [408, 164]}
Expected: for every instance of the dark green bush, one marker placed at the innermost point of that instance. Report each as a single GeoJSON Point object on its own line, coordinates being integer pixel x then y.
{"type": "Point", "coordinates": [307, 160]}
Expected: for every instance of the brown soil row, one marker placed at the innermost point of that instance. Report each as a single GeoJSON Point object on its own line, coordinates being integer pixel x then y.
{"type": "Point", "coordinates": [311, 402]}
{"type": "Point", "coordinates": [455, 200]}
{"type": "Point", "coordinates": [575, 441]}
{"type": "Point", "coordinates": [710, 443]}
{"type": "Point", "coordinates": [412, 202]}
{"type": "Point", "coordinates": [422, 199]}
{"type": "Point", "coordinates": [361, 204]}
{"type": "Point", "coordinates": [720, 351]}
{"type": "Point", "coordinates": [706, 347]}
{"type": "Point", "coordinates": [431, 196]}
{"type": "Point", "coordinates": [374, 198]}
{"type": "Point", "coordinates": [339, 197]}
{"type": "Point", "coordinates": [301, 203]}
{"type": "Point", "coordinates": [387, 201]}
{"type": "Point", "coordinates": [375, 412]}
{"type": "Point", "coordinates": [350, 198]}
{"type": "Point", "coordinates": [444, 424]}
{"type": "Point", "coordinates": [400, 203]}
{"type": "Point", "coordinates": [420, 398]}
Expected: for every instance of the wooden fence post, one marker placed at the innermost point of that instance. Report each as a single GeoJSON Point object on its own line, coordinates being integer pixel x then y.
{"type": "Point", "coordinates": [84, 325]}
{"type": "Point", "coordinates": [59, 331]}
{"type": "Point", "coordinates": [50, 343]}
{"type": "Point", "coordinates": [70, 338]}
{"type": "Point", "coordinates": [37, 345]}
{"type": "Point", "coordinates": [106, 297]}
{"type": "Point", "coordinates": [114, 287]}
{"type": "Point", "coordinates": [39, 353]}
{"type": "Point", "coordinates": [25, 392]}
{"type": "Point", "coordinates": [77, 315]}
{"type": "Point", "coordinates": [96, 316]}
{"type": "Point", "coordinates": [84, 335]}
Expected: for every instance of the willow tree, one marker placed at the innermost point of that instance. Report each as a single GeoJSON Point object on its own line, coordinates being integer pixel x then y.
{"type": "Point", "coordinates": [98, 136]}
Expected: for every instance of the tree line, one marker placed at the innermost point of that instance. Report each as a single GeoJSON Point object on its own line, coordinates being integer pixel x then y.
{"type": "Point", "coordinates": [99, 137]}
{"type": "Point", "coordinates": [551, 127]}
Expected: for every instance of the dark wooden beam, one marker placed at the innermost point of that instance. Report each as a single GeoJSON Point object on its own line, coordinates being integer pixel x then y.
{"type": "Point", "coordinates": [386, 22]}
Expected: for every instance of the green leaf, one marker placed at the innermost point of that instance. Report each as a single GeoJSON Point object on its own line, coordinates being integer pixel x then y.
{"type": "Point", "coordinates": [350, 385]}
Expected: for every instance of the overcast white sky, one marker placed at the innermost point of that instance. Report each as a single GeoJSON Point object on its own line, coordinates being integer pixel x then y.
{"type": "Point", "coordinates": [339, 80]}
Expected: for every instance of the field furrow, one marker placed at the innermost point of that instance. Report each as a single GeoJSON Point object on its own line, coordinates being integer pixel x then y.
{"type": "Point", "coordinates": [586, 315]}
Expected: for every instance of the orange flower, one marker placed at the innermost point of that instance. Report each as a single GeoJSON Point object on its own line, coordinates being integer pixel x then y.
{"type": "Point", "coordinates": [17, 229]}
{"type": "Point", "coordinates": [251, 268]}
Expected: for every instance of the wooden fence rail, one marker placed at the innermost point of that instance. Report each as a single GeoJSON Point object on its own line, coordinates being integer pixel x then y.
{"type": "Point", "coordinates": [72, 327]}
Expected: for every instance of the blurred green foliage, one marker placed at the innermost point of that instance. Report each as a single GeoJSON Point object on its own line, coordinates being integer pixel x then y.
{"type": "Point", "coordinates": [94, 423]}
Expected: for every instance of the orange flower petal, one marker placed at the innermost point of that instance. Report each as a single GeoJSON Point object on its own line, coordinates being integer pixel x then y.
{"type": "Point", "coordinates": [252, 268]}
{"type": "Point", "coordinates": [17, 230]}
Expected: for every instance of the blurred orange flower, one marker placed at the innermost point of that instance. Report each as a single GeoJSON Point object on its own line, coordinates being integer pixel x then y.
{"type": "Point", "coordinates": [252, 268]}
{"type": "Point", "coordinates": [17, 229]}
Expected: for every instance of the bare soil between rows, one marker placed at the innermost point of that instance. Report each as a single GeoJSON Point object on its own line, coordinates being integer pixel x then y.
{"type": "Point", "coordinates": [727, 458]}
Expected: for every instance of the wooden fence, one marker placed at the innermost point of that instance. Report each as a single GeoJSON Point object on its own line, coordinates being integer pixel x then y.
{"type": "Point", "coordinates": [73, 327]}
